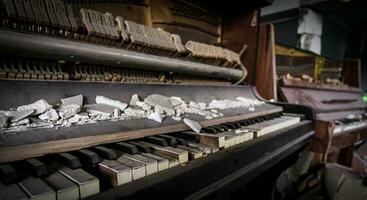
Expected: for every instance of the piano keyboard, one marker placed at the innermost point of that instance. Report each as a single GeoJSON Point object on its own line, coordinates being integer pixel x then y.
{"type": "Point", "coordinates": [83, 173]}
{"type": "Point", "coordinates": [349, 125]}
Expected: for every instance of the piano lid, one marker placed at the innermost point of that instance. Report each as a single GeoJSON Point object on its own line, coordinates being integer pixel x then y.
{"type": "Point", "coordinates": [328, 102]}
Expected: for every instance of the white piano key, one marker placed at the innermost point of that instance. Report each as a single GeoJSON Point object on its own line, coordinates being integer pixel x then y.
{"type": "Point", "coordinates": [163, 163]}
{"type": "Point", "coordinates": [65, 188]}
{"type": "Point", "coordinates": [180, 154]}
{"type": "Point", "coordinates": [118, 173]}
{"type": "Point", "coordinates": [138, 168]}
{"type": "Point", "coordinates": [88, 185]}
{"type": "Point", "coordinates": [37, 189]}
{"type": "Point", "coordinates": [151, 165]}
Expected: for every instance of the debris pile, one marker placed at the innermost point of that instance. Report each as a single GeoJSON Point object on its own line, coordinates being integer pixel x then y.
{"type": "Point", "coordinates": [155, 107]}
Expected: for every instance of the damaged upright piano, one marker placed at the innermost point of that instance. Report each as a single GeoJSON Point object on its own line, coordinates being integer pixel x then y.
{"type": "Point", "coordinates": [129, 99]}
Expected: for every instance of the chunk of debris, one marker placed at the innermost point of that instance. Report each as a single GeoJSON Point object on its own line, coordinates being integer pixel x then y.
{"type": "Point", "coordinates": [83, 115]}
{"type": "Point", "coordinates": [116, 113]}
{"type": "Point", "coordinates": [144, 105]}
{"type": "Point", "coordinates": [39, 107]}
{"type": "Point", "coordinates": [78, 100]}
{"type": "Point", "coordinates": [20, 122]}
{"type": "Point", "coordinates": [156, 117]}
{"type": "Point", "coordinates": [134, 99]}
{"type": "Point", "coordinates": [74, 119]}
{"type": "Point", "coordinates": [69, 110]}
{"type": "Point", "coordinates": [99, 109]}
{"type": "Point", "coordinates": [50, 115]}
{"type": "Point", "coordinates": [160, 101]}
{"type": "Point", "coordinates": [15, 115]}
{"type": "Point", "coordinates": [194, 125]}
{"type": "Point", "coordinates": [176, 118]}
{"type": "Point", "coordinates": [176, 101]}
{"type": "Point", "coordinates": [3, 120]}
{"type": "Point", "coordinates": [110, 102]}
{"type": "Point", "coordinates": [134, 112]}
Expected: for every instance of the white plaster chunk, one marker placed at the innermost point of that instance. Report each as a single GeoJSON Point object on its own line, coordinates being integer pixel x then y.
{"type": "Point", "coordinates": [177, 118]}
{"type": "Point", "coordinates": [66, 123]}
{"type": "Point", "coordinates": [78, 100]}
{"type": "Point", "coordinates": [74, 119]}
{"type": "Point", "coordinates": [160, 101]}
{"type": "Point", "coordinates": [50, 115]}
{"type": "Point", "coordinates": [116, 113]}
{"type": "Point", "coordinates": [134, 112]}
{"type": "Point", "coordinates": [143, 105]}
{"type": "Point", "coordinates": [83, 115]}
{"type": "Point", "coordinates": [20, 122]}
{"type": "Point", "coordinates": [156, 117]}
{"type": "Point", "coordinates": [194, 104]}
{"type": "Point", "coordinates": [110, 102]}
{"type": "Point", "coordinates": [99, 109]}
{"type": "Point", "coordinates": [3, 120]}
{"type": "Point", "coordinates": [15, 116]}
{"type": "Point", "coordinates": [175, 101]}
{"type": "Point", "coordinates": [134, 99]}
{"type": "Point", "coordinates": [69, 110]}
{"type": "Point", "coordinates": [208, 117]}
{"type": "Point", "coordinates": [39, 107]}
{"type": "Point", "coordinates": [194, 125]}
{"type": "Point", "coordinates": [202, 105]}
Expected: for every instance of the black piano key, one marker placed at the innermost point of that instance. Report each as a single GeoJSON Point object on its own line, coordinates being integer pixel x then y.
{"type": "Point", "coordinates": [186, 135]}
{"type": "Point", "coordinates": [252, 121]}
{"type": "Point", "coordinates": [223, 127]}
{"type": "Point", "coordinates": [244, 123]}
{"type": "Point", "coordinates": [141, 147]}
{"type": "Point", "coordinates": [238, 125]}
{"type": "Point", "coordinates": [218, 129]}
{"type": "Point", "coordinates": [104, 152]}
{"type": "Point", "coordinates": [37, 168]}
{"type": "Point", "coordinates": [181, 141]}
{"type": "Point", "coordinates": [170, 140]}
{"type": "Point", "coordinates": [125, 147]}
{"type": "Point", "coordinates": [229, 125]}
{"type": "Point", "coordinates": [156, 140]}
{"type": "Point", "coordinates": [87, 158]}
{"type": "Point", "coordinates": [209, 130]}
{"type": "Point", "coordinates": [8, 174]}
{"type": "Point", "coordinates": [69, 160]}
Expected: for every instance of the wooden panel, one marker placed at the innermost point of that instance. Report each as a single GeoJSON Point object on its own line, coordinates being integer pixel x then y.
{"type": "Point", "coordinates": [238, 29]}
{"type": "Point", "coordinates": [265, 72]}
{"type": "Point", "coordinates": [351, 72]}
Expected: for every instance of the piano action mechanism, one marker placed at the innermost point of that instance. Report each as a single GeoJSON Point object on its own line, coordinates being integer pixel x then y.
{"type": "Point", "coordinates": [129, 99]}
